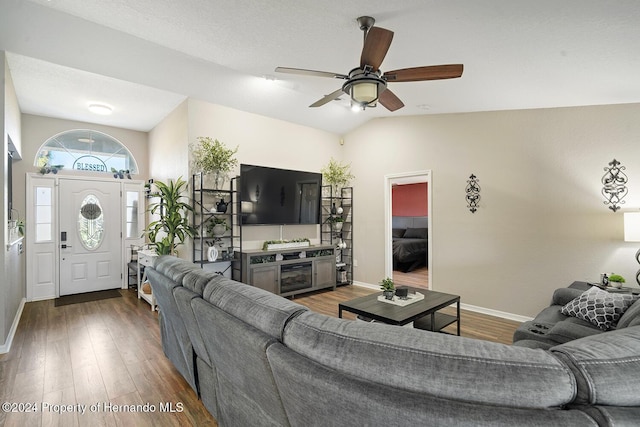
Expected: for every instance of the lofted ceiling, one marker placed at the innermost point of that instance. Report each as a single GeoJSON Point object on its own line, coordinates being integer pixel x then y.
{"type": "Point", "coordinates": [144, 57]}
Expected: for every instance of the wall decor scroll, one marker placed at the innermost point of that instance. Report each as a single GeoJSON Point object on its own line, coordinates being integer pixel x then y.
{"type": "Point", "coordinates": [473, 193]}
{"type": "Point", "coordinates": [614, 188]}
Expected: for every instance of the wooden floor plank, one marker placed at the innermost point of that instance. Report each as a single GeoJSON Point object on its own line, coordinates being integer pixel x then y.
{"type": "Point", "coordinates": [109, 352]}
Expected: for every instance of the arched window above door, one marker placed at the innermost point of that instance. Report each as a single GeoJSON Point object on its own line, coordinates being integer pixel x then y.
{"type": "Point", "coordinates": [85, 150]}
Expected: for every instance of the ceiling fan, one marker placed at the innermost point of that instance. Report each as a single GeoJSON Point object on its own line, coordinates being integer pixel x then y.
{"type": "Point", "coordinates": [366, 84]}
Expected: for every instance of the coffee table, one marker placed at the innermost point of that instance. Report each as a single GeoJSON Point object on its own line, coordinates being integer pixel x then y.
{"type": "Point", "coordinates": [425, 311]}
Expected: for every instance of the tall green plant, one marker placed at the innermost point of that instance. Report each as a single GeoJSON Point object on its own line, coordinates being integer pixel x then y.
{"type": "Point", "coordinates": [172, 228]}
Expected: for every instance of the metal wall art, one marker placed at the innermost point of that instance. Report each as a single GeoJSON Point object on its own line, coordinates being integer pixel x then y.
{"type": "Point", "coordinates": [614, 188]}
{"type": "Point", "coordinates": [473, 193]}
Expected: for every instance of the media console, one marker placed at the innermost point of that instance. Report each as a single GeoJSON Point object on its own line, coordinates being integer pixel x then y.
{"type": "Point", "coordinates": [292, 271]}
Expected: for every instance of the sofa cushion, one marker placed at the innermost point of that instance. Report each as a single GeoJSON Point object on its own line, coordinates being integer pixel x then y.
{"type": "Point", "coordinates": [259, 308]}
{"type": "Point", "coordinates": [606, 367]}
{"type": "Point", "coordinates": [433, 364]}
{"type": "Point", "coordinates": [316, 395]}
{"type": "Point", "coordinates": [567, 331]}
{"type": "Point", "coordinates": [172, 267]}
{"type": "Point", "coordinates": [599, 307]}
{"type": "Point", "coordinates": [631, 317]}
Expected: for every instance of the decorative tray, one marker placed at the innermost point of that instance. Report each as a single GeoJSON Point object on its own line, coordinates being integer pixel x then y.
{"type": "Point", "coordinates": [411, 298]}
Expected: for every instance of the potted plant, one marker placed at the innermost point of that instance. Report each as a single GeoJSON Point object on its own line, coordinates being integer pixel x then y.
{"type": "Point", "coordinates": [216, 226]}
{"type": "Point", "coordinates": [336, 222]}
{"type": "Point", "coordinates": [210, 156]}
{"type": "Point", "coordinates": [172, 228]}
{"type": "Point", "coordinates": [388, 288]}
{"type": "Point", "coordinates": [616, 280]}
{"type": "Point", "coordinates": [337, 175]}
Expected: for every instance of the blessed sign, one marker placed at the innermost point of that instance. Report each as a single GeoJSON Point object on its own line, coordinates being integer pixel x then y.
{"type": "Point", "coordinates": [89, 163]}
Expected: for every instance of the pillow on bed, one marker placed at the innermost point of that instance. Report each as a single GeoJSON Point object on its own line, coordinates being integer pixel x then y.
{"type": "Point", "coordinates": [397, 232]}
{"type": "Point", "coordinates": [416, 233]}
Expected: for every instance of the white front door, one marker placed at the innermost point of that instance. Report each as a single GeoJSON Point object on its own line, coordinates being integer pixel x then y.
{"type": "Point", "coordinates": [90, 236]}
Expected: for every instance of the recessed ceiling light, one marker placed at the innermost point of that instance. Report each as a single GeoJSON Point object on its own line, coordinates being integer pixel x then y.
{"type": "Point", "coordinates": [100, 109]}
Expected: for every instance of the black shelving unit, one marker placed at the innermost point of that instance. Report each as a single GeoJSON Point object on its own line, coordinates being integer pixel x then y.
{"type": "Point", "coordinates": [229, 245]}
{"type": "Point", "coordinates": [339, 205]}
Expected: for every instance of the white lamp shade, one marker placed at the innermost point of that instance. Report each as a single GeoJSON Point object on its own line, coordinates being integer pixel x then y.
{"type": "Point", "coordinates": [364, 92]}
{"type": "Point", "coordinates": [632, 226]}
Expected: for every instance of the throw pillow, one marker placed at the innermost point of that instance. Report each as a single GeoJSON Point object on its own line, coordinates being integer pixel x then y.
{"type": "Point", "coordinates": [601, 308]}
{"type": "Point", "coordinates": [397, 232]}
{"type": "Point", "coordinates": [416, 233]}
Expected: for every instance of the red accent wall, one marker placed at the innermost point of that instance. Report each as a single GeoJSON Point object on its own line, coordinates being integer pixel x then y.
{"type": "Point", "coordinates": [409, 199]}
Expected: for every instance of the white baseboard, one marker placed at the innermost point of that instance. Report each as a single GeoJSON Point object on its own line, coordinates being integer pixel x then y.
{"type": "Point", "coordinates": [14, 326]}
{"type": "Point", "coordinates": [469, 307]}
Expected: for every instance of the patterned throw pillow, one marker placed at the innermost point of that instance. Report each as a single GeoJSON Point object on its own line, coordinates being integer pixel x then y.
{"type": "Point", "coordinates": [599, 307]}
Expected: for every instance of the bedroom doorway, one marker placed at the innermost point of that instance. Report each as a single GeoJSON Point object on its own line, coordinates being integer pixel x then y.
{"type": "Point", "coordinates": [408, 228]}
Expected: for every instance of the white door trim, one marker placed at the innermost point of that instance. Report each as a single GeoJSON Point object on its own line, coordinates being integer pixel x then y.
{"type": "Point", "coordinates": [406, 177]}
{"type": "Point", "coordinates": [42, 285]}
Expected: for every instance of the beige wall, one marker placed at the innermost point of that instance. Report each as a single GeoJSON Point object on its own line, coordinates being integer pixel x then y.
{"type": "Point", "coordinates": [37, 129]}
{"type": "Point", "coordinates": [12, 273]}
{"type": "Point", "coordinates": [261, 141]}
{"type": "Point", "coordinates": [168, 154]}
{"type": "Point", "coordinates": [542, 222]}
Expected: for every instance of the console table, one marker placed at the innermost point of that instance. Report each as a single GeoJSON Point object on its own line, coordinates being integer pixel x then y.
{"type": "Point", "coordinates": [288, 272]}
{"type": "Point", "coordinates": [146, 258]}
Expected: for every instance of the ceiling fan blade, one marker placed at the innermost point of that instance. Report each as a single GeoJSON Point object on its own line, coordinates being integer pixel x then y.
{"type": "Point", "coordinates": [417, 74]}
{"type": "Point", "coordinates": [328, 98]}
{"type": "Point", "coordinates": [310, 72]}
{"type": "Point", "coordinates": [390, 101]}
{"type": "Point", "coordinates": [376, 46]}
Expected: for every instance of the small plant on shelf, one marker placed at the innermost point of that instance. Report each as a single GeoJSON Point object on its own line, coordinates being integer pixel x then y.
{"type": "Point", "coordinates": [211, 156]}
{"type": "Point", "coordinates": [282, 244]}
{"type": "Point", "coordinates": [616, 280]}
{"type": "Point", "coordinates": [336, 221]}
{"type": "Point", "coordinates": [216, 226]}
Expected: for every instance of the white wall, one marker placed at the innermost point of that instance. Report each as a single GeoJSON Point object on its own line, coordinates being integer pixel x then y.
{"type": "Point", "coordinates": [261, 141]}
{"type": "Point", "coordinates": [542, 222]}
{"type": "Point", "coordinates": [266, 142]}
{"type": "Point", "coordinates": [12, 274]}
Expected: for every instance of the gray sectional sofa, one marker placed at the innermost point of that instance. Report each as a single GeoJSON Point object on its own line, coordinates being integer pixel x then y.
{"type": "Point", "coordinates": [255, 358]}
{"type": "Point", "coordinates": [551, 328]}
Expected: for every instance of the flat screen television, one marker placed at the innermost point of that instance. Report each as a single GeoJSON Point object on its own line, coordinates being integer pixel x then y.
{"type": "Point", "coordinates": [271, 196]}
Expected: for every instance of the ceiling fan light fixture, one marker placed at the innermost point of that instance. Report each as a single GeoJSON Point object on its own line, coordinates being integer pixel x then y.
{"type": "Point", "coordinates": [364, 92]}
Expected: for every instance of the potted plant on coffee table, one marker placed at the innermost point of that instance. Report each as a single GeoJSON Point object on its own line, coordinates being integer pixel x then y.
{"type": "Point", "coordinates": [172, 227]}
{"type": "Point", "coordinates": [388, 288]}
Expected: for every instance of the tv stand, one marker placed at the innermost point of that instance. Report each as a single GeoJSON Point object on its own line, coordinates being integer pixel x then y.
{"type": "Point", "coordinates": [293, 271]}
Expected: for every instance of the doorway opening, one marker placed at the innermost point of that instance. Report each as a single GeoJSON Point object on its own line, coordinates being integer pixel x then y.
{"type": "Point", "coordinates": [408, 228]}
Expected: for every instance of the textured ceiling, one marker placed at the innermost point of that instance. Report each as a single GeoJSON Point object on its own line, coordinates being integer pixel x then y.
{"type": "Point", "coordinates": [144, 57]}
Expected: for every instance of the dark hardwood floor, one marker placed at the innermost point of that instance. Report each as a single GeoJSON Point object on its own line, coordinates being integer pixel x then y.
{"type": "Point", "coordinates": [108, 353]}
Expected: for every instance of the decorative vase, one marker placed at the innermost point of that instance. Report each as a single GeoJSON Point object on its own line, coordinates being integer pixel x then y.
{"type": "Point", "coordinates": [337, 226]}
{"type": "Point", "coordinates": [388, 294]}
{"type": "Point", "coordinates": [221, 206]}
{"type": "Point", "coordinates": [213, 180]}
{"type": "Point", "coordinates": [212, 253]}
{"type": "Point", "coordinates": [218, 230]}
{"type": "Point", "coordinates": [615, 284]}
